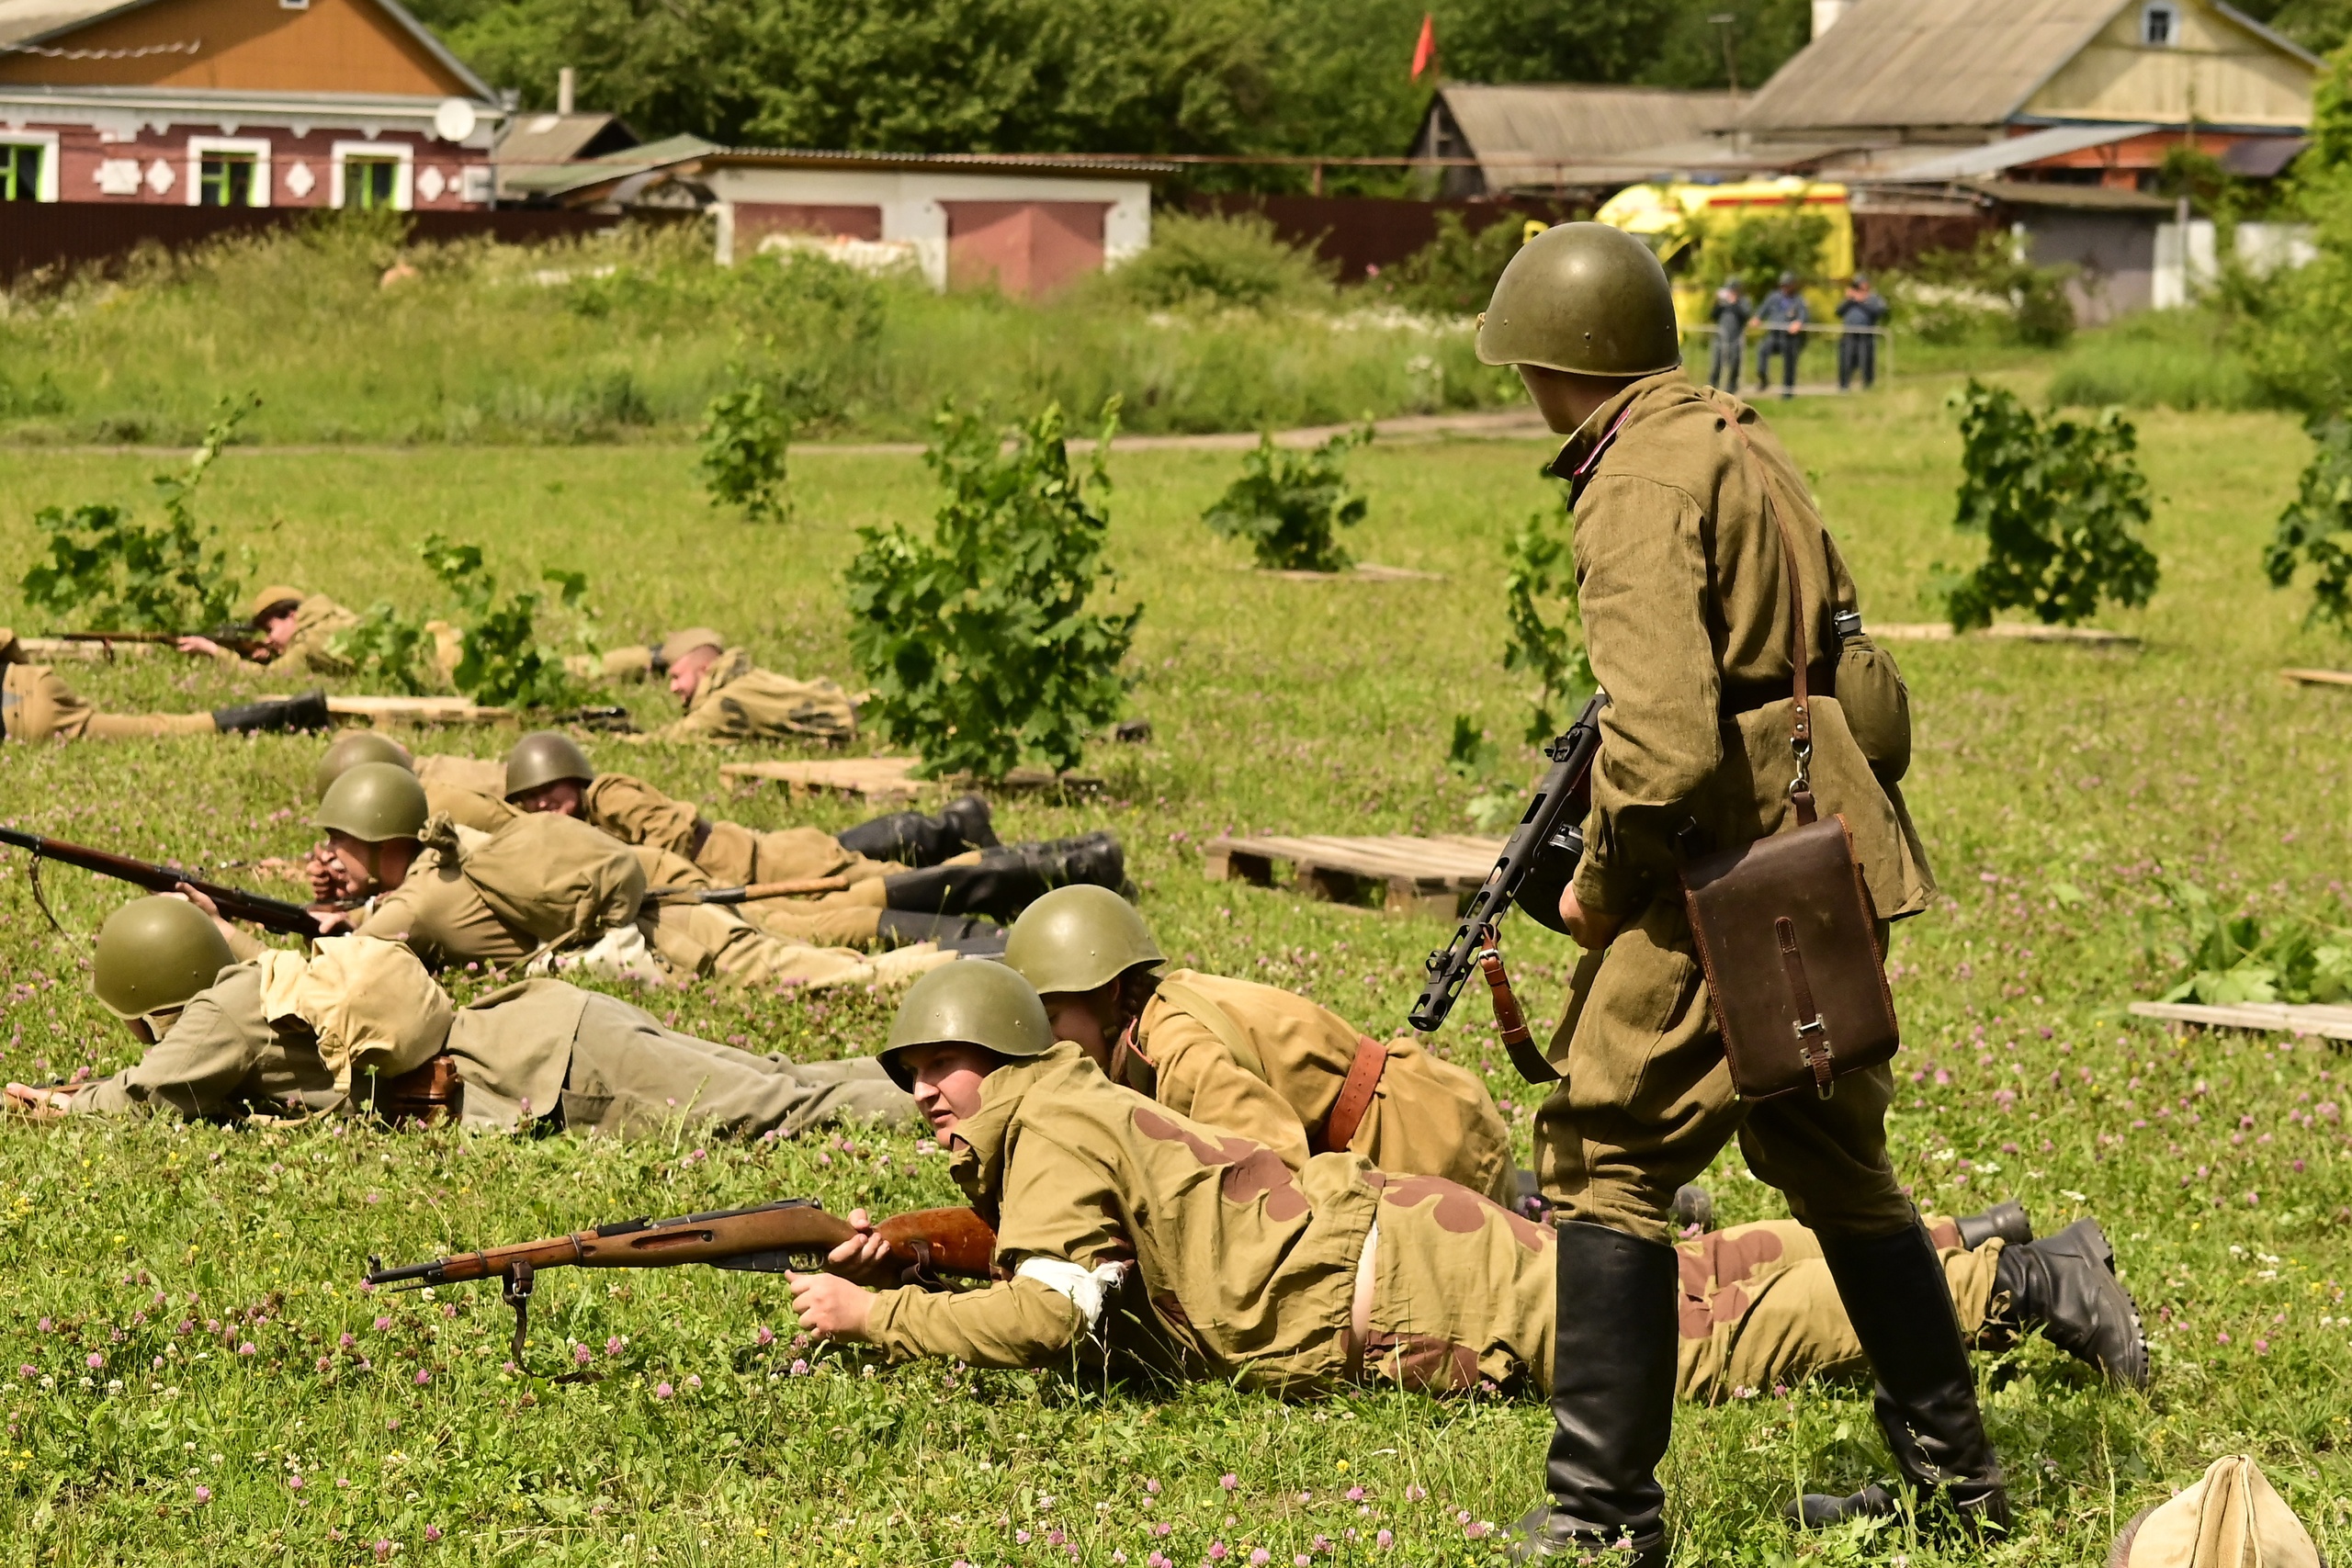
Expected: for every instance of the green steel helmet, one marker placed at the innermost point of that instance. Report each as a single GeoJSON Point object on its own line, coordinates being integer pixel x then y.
{"type": "Point", "coordinates": [372, 803]}
{"type": "Point", "coordinates": [349, 749]}
{"type": "Point", "coordinates": [1583, 297]}
{"type": "Point", "coordinates": [155, 953]}
{"type": "Point", "coordinates": [541, 758]}
{"type": "Point", "coordinates": [1077, 937]}
{"type": "Point", "coordinates": [974, 1002]}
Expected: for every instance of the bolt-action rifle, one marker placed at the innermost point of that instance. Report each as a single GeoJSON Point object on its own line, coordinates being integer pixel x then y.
{"type": "Point", "coordinates": [1536, 864]}
{"type": "Point", "coordinates": [795, 1234]}
{"type": "Point", "coordinates": [235, 903]}
{"type": "Point", "coordinates": [243, 640]}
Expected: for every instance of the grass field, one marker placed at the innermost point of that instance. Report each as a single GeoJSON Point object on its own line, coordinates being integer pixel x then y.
{"type": "Point", "coordinates": [181, 1338]}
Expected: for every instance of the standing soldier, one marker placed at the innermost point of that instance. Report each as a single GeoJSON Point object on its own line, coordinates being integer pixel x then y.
{"type": "Point", "coordinates": [1785, 314]}
{"type": "Point", "coordinates": [727, 697]}
{"type": "Point", "coordinates": [1860, 311]}
{"type": "Point", "coordinates": [298, 627]}
{"type": "Point", "coordinates": [1732, 311]}
{"type": "Point", "coordinates": [1684, 581]}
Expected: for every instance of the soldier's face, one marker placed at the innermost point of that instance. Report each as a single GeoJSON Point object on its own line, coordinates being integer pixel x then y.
{"type": "Point", "coordinates": [563, 796]}
{"type": "Point", "coordinates": [947, 1082]}
{"type": "Point", "coordinates": [686, 673]}
{"type": "Point", "coordinates": [280, 630]}
{"type": "Point", "coordinates": [369, 869]}
{"type": "Point", "coordinates": [1086, 1019]}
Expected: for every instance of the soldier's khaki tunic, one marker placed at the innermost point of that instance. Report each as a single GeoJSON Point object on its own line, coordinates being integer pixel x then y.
{"type": "Point", "coordinates": [317, 621]}
{"type": "Point", "coordinates": [36, 705]}
{"type": "Point", "coordinates": [521, 1051]}
{"type": "Point", "coordinates": [1124, 1226]}
{"type": "Point", "coordinates": [1269, 1064]}
{"type": "Point", "coordinates": [546, 884]}
{"type": "Point", "coordinates": [735, 700]}
{"type": "Point", "coordinates": [1685, 614]}
{"type": "Point", "coordinates": [728, 854]}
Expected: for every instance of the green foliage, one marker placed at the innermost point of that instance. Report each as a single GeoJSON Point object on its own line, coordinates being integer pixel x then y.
{"type": "Point", "coordinates": [1758, 246]}
{"type": "Point", "coordinates": [1455, 272]}
{"type": "Point", "coordinates": [2175, 359]}
{"type": "Point", "coordinates": [1987, 294]}
{"type": "Point", "coordinates": [1214, 262]}
{"type": "Point", "coordinates": [2315, 530]}
{"type": "Point", "coordinates": [2224, 959]}
{"type": "Point", "coordinates": [2060, 502]}
{"type": "Point", "coordinates": [978, 644]}
{"type": "Point", "coordinates": [743, 437]}
{"type": "Point", "coordinates": [1288, 505]}
{"type": "Point", "coordinates": [386, 646]}
{"type": "Point", "coordinates": [500, 660]}
{"type": "Point", "coordinates": [1539, 567]}
{"type": "Point", "coordinates": [125, 577]}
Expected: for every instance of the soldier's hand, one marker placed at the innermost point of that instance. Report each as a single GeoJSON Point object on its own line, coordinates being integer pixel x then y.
{"type": "Point", "coordinates": [203, 645]}
{"type": "Point", "coordinates": [830, 1305]}
{"type": "Point", "coordinates": [204, 902]}
{"type": "Point", "coordinates": [864, 1258]}
{"type": "Point", "coordinates": [40, 1104]}
{"type": "Point", "coordinates": [328, 877]}
{"type": "Point", "coordinates": [1591, 929]}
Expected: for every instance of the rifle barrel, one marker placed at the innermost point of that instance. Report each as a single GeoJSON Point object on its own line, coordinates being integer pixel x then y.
{"type": "Point", "coordinates": [237, 903]}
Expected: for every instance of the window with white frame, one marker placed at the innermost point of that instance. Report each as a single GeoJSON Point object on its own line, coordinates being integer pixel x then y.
{"type": "Point", "coordinates": [372, 174]}
{"type": "Point", "coordinates": [2160, 24]}
{"type": "Point", "coordinates": [28, 165]}
{"type": "Point", "coordinates": [228, 170]}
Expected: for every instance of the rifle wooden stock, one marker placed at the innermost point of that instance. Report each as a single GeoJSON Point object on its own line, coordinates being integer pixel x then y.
{"type": "Point", "coordinates": [806, 884]}
{"type": "Point", "coordinates": [239, 640]}
{"type": "Point", "coordinates": [793, 1234]}
{"type": "Point", "coordinates": [236, 902]}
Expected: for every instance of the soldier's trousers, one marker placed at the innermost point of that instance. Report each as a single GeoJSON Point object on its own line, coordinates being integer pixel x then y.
{"type": "Point", "coordinates": [1723, 372]}
{"type": "Point", "coordinates": [1786, 345]}
{"type": "Point", "coordinates": [1647, 1102]}
{"type": "Point", "coordinates": [36, 705]}
{"type": "Point", "coordinates": [1856, 359]}
{"type": "Point", "coordinates": [628, 1075]}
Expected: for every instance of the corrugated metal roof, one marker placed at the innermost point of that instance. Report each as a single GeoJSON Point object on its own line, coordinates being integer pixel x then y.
{"type": "Point", "coordinates": [1072, 164]}
{"type": "Point", "coordinates": [1994, 157]}
{"type": "Point", "coordinates": [1542, 133]}
{"type": "Point", "coordinates": [2077, 198]}
{"type": "Point", "coordinates": [1926, 62]}
{"type": "Point", "coordinates": [561, 178]}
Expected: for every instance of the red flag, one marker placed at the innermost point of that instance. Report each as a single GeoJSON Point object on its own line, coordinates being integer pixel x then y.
{"type": "Point", "coordinates": [1425, 51]}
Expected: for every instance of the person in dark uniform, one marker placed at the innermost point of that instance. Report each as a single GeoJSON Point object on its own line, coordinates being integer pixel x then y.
{"type": "Point", "coordinates": [1860, 311]}
{"type": "Point", "coordinates": [1732, 310]}
{"type": "Point", "coordinates": [1785, 316]}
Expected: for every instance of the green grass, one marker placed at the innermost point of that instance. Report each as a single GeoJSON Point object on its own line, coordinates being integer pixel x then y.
{"type": "Point", "coordinates": [2174, 359]}
{"type": "Point", "coordinates": [2051, 785]}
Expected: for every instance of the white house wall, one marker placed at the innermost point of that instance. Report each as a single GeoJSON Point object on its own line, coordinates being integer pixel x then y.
{"type": "Point", "coordinates": [912, 209]}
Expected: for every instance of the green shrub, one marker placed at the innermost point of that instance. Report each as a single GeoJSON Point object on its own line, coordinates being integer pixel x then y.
{"type": "Point", "coordinates": [978, 644]}
{"type": "Point", "coordinates": [1288, 505]}
{"type": "Point", "coordinates": [1455, 272]}
{"type": "Point", "coordinates": [173, 578]}
{"type": "Point", "coordinates": [2060, 502]}
{"type": "Point", "coordinates": [1539, 567]}
{"type": "Point", "coordinates": [744, 435]}
{"type": "Point", "coordinates": [2221, 960]}
{"type": "Point", "coordinates": [1989, 293]}
{"type": "Point", "coordinates": [1232, 262]}
{"type": "Point", "coordinates": [2315, 530]}
{"type": "Point", "coordinates": [389, 648]}
{"type": "Point", "coordinates": [1758, 246]}
{"type": "Point", "coordinates": [500, 660]}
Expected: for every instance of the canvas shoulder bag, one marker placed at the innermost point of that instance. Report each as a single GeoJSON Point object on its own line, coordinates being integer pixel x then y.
{"type": "Point", "coordinates": [1784, 927]}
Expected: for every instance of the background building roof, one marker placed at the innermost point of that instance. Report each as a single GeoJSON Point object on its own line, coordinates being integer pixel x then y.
{"type": "Point", "coordinates": [1541, 134]}
{"type": "Point", "coordinates": [1994, 157]}
{"type": "Point", "coordinates": [40, 21]}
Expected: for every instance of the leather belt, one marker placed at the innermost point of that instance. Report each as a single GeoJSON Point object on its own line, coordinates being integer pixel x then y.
{"type": "Point", "coordinates": [1355, 1095]}
{"type": "Point", "coordinates": [1747, 696]}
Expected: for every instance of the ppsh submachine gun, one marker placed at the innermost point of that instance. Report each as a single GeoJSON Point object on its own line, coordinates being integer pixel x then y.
{"type": "Point", "coordinates": [795, 1234]}
{"type": "Point", "coordinates": [235, 903]}
{"type": "Point", "coordinates": [1537, 866]}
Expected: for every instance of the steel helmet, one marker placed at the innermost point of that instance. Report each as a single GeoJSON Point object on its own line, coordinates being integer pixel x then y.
{"type": "Point", "coordinates": [677, 645]}
{"type": "Point", "coordinates": [155, 953]}
{"type": "Point", "coordinates": [1583, 297]}
{"type": "Point", "coordinates": [349, 749]}
{"type": "Point", "coordinates": [541, 758]}
{"type": "Point", "coordinates": [373, 802]}
{"type": "Point", "coordinates": [1077, 937]}
{"type": "Point", "coordinates": [977, 1003]}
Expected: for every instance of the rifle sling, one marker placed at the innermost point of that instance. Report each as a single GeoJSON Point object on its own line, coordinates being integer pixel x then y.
{"type": "Point", "coordinates": [1220, 1022]}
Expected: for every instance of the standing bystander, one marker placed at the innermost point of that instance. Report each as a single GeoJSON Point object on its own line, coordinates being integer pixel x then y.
{"type": "Point", "coordinates": [1732, 310]}
{"type": "Point", "coordinates": [1785, 315]}
{"type": "Point", "coordinates": [1860, 311]}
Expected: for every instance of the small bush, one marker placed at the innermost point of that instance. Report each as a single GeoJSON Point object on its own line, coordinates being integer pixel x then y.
{"type": "Point", "coordinates": [1988, 294]}
{"type": "Point", "coordinates": [1455, 272]}
{"type": "Point", "coordinates": [173, 578]}
{"type": "Point", "coordinates": [387, 646]}
{"type": "Point", "coordinates": [1289, 506]}
{"type": "Point", "coordinates": [2220, 960]}
{"type": "Point", "coordinates": [1235, 261]}
{"type": "Point", "coordinates": [1539, 567]}
{"type": "Point", "coordinates": [2315, 530]}
{"type": "Point", "coordinates": [500, 660]}
{"type": "Point", "coordinates": [2060, 502]}
{"type": "Point", "coordinates": [978, 644]}
{"type": "Point", "coordinates": [744, 435]}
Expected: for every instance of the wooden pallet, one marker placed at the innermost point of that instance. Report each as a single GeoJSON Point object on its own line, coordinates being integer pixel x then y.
{"type": "Point", "coordinates": [418, 710]}
{"type": "Point", "coordinates": [1429, 876]}
{"type": "Point", "coordinates": [2319, 677]}
{"type": "Point", "coordinates": [2332, 1022]}
{"type": "Point", "coordinates": [881, 779]}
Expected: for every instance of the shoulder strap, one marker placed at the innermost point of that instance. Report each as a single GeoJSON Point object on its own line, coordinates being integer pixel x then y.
{"type": "Point", "coordinates": [1801, 723]}
{"type": "Point", "coordinates": [1219, 1022]}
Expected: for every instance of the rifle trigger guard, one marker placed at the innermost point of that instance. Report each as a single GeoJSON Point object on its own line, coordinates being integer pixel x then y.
{"type": "Point", "coordinates": [517, 1294]}
{"type": "Point", "coordinates": [919, 1272]}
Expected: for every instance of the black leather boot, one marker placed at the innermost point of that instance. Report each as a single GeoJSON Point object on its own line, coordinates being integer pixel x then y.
{"type": "Point", "coordinates": [999, 889]}
{"type": "Point", "coordinates": [1095, 859]}
{"type": "Point", "coordinates": [967, 817]}
{"type": "Point", "coordinates": [1613, 1403]}
{"type": "Point", "coordinates": [2006, 1220]}
{"type": "Point", "coordinates": [972, 938]}
{"type": "Point", "coordinates": [908, 837]}
{"type": "Point", "coordinates": [2065, 1286]}
{"type": "Point", "coordinates": [1895, 1296]}
{"type": "Point", "coordinates": [308, 711]}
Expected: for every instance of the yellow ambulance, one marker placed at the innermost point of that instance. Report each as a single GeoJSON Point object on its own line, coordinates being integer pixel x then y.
{"type": "Point", "coordinates": [1670, 217]}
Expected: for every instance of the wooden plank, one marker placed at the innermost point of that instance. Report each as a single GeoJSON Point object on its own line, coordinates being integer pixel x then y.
{"type": "Point", "coordinates": [1405, 898]}
{"type": "Point", "coordinates": [887, 778]}
{"type": "Point", "coordinates": [1912, 631]}
{"type": "Point", "coordinates": [2089, 636]}
{"type": "Point", "coordinates": [418, 710]}
{"type": "Point", "coordinates": [1362, 571]}
{"type": "Point", "coordinates": [2319, 677]}
{"type": "Point", "coordinates": [2333, 1023]}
